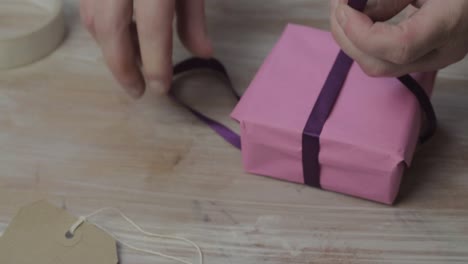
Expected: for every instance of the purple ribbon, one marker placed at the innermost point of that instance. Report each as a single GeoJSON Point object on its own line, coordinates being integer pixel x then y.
{"type": "Point", "coordinates": [212, 64]}
{"type": "Point", "coordinates": [320, 112]}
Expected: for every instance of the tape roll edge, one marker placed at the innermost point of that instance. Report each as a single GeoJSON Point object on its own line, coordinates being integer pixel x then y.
{"type": "Point", "coordinates": [32, 46]}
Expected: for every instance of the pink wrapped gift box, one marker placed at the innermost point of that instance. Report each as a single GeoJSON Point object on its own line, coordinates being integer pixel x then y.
{"type": "Point", "coordinates": [366, 143]}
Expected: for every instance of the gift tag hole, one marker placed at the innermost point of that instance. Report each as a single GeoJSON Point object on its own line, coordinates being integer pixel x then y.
{"type": "Point", "coordinates": [69, 235]}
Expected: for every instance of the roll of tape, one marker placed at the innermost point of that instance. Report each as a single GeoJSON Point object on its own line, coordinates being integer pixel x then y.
{"type": "Point", "coordinates": [41, 41]}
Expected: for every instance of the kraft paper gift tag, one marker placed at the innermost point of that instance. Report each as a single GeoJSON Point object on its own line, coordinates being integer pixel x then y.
{"type": "Point", "coordinates": [37, 235]}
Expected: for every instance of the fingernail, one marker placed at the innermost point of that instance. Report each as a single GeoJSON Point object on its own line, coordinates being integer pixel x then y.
{"type": "Point", "coordinates": [136, 90]}
{"type": "Point", "coordinates": [157, 85]}
{"type": "Point", "coordinates": [209, 47]}
{"type": "Point", "coordinates": [342, 16]}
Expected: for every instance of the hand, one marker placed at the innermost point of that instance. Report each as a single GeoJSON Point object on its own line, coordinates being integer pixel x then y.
{"type": "Point", "coordinates": [136, 37]}
{"type": "Point", "coordinates": [434, 36]}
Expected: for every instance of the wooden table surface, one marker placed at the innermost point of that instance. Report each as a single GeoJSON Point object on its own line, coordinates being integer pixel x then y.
{"type": "Point", "coordinates": [69, 134]}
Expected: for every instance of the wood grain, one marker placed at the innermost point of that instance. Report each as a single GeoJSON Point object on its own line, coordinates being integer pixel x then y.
{"type": "Point", "coordinates": [69, 134]}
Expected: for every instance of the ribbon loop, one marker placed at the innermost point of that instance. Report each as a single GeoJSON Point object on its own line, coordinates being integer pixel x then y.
{"type": "Point", "coordinates": [212, 64]}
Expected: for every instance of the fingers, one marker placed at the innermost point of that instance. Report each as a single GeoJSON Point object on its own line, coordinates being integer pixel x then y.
{"type": "Point", "coordinates": [136, 37]}
{"type": "Point", "coordinates": [399, 44]}
{"type": "Point", "coordinates": [87, 8]}
{"type": "Point", "coordinates": [192, 28]}
{"type": "Point", "coordinates": [370, 65]}
{"type": "Point", "coordinates": [382, 10]}
{"type": "Point", "coordinates": [112, 26]}
{"type": "Point", "coordinates": [432, 61]}
{"type": "Point", "coordinates": [154, 23]}
{"type": "Point", "coordinates": [384, 49]}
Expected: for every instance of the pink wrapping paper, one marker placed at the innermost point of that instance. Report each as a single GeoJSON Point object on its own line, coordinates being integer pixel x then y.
{"type": "Point", "coordinates": [368, 140]}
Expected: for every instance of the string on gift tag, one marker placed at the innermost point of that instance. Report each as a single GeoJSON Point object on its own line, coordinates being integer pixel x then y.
{"type": "Point", "coordinates": [71, 232]}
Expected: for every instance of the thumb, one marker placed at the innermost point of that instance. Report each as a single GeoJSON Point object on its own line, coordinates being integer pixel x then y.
{"type": "Point", "coordinates": [382, 10]}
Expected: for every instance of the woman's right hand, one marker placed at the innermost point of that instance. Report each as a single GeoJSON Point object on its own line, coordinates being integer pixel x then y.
{"type": "Point", "coordinates": [434, 36]}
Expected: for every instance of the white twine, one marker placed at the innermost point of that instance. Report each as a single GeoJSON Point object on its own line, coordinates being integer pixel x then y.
{"type": "Point", "coordinates": [84, 219]}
